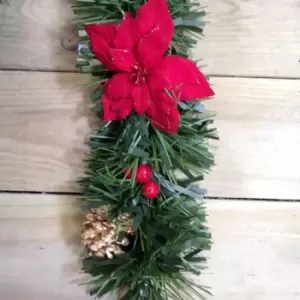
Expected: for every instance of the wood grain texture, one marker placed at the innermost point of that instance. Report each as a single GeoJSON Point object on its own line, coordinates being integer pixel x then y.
{"type": "Point", "coordinates": [252, 38]}
{"type": "Point", "coordinates": [258, 122]}
{"type": "Point", "coordinates": [255, 255]}
{"type": "Point", "coordinates": [44, 124]}
{"type": "Point", "coordinates": [44, 127]}
{"type": "Point", "coordinates": [30, 34]}
{"type": "Point", "coordinates": [257, 38]}
{"type": "Point", "coordinates": [39, 248]}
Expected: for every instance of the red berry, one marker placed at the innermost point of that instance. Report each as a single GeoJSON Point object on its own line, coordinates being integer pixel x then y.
{"type": "Point", "coordinates": [143, 174]}
{"type": "Point", "coordinates": [151, 190]}
{"type": "Point", "coordinates": [128, 173]}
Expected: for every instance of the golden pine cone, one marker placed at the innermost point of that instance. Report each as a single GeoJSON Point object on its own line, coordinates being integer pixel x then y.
{"type": "Point", "coordinates": [100, 236]}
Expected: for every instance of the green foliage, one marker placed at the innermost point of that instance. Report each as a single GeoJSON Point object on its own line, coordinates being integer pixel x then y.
{"type": "Point", "coordinates": [187, 18]}
{"type": "Point", "coordinates": [169, 238]}
{"type": "Point", "coordinates": [170, 232]}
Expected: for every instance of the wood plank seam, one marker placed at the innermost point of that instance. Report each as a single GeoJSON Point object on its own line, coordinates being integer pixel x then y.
{"type": "Point", "coordinates": [207, 198]}
{"type": "Point", "coordinates": [253, 243]}
{"type": "Point", "coordinates": [210, 75]}
{"type": "Point", "coordinates": [240, 38]}
{"type": "Point", "coordinates": [253, 115]}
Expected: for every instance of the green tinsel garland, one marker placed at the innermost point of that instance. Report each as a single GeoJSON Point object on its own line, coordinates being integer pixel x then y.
{"type": "Point", "coordinates": [170, 232]}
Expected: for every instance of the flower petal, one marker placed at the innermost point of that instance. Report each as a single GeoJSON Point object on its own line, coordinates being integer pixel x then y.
{"type": "Point", "coordinates": [116, 109]}
{"type": "Point", "coordinates": [141, 98]}
{"type": "Point", "coordinates": [119, 86]}
{"type": "Point", "coordinates": [101, 37]}
{"type": "Point", "coordinates": [151, 48]}
{"type": "Point", "coordinates": [123, 59]}
{"type": "Point", "coordinates": [163, 113]}
{"type": "Point", "coordinates": [181, 76]}
{"type": "Point", "coordinates": [116, 101]}
{"type": "Point", "coordinates": [156, 27]}
{"type": "Point", "coordinates": [127, 34]}
{"type": "Point", "coordinates": [154, 13]}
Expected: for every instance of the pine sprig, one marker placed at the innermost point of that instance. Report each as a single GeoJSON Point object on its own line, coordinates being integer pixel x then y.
{"type": "Point", "coordinates": [187, 16]}
{"type": "Point", "coordinates": [169, 242]}
{"type": "Point", "coordinates": [169, 232]}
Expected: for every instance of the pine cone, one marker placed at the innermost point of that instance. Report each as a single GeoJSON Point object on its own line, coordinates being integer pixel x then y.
{"type": "Point", "coordinates": [100, 236]}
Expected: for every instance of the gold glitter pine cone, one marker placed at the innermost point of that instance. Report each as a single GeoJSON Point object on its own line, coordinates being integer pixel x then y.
{"type": "Point", "coordinates": [100, 236]}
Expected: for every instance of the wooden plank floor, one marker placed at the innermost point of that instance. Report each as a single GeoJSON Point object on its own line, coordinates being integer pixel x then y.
{"type": "Point", "coordinates": [249, 38]}
{"type": "Point", "coordinates": [44, 124]}
{"type": "Point", "coordinates": [252, 38]}
{"type": "Point", "coordinates": [255, 243]}
{"type": "Point", "coordinates": [251, 49]}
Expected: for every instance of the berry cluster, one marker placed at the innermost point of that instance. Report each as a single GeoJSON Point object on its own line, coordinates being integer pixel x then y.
{"type": "Point", "coordinates": [144, 176]}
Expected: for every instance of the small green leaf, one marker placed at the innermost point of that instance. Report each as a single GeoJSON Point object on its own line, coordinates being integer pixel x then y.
{"type": "Point", "coordinates": [140, 153]}
{"type": "Point", "coordinates": [136, 222]}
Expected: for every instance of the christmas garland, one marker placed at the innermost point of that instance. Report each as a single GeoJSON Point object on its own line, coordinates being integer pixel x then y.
{"type": "Point", "coordinates": [144, 229]}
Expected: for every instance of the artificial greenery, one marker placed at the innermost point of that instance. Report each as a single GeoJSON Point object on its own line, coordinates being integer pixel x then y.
{"type": "Point", "coordinates": [169, 231]}
{"type": "Point", "coordinates": [187, 16]}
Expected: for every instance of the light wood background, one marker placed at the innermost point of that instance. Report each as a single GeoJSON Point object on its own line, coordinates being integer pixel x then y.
{"type": "Point", "coordinates": [256, 251]}
{"type": "Point", "coordinates": [252, 51]}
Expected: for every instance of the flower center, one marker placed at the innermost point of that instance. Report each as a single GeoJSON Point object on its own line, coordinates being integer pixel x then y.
{"type": "Point", "coordinates": [139, 75]}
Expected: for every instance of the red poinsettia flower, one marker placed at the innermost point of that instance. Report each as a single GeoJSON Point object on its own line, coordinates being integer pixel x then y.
{"type": "Point", "coordinates": [146, 77]}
